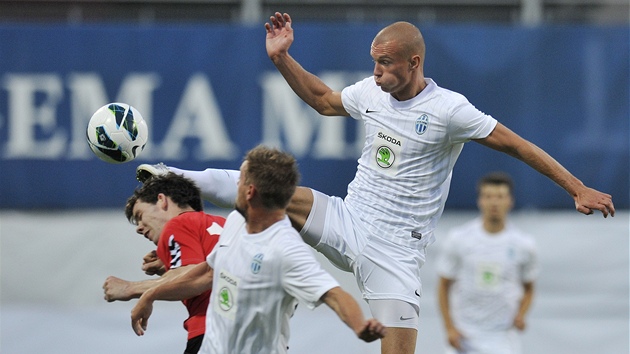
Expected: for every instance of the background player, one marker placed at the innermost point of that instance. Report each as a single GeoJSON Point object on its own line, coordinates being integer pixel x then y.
{"type": "Point", "coordinates": [487, 269]}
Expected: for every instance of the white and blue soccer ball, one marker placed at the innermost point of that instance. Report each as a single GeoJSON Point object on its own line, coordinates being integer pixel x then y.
{"type": "Point", "coordinates": [117, 133]}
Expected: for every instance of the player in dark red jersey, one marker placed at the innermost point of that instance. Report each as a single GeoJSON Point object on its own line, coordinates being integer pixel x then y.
{"type": "Point", "coordinates": [168, 211]}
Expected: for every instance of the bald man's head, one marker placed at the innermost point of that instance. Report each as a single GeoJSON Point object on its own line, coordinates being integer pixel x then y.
{"type": "Point", "coordinates": [406, 36]}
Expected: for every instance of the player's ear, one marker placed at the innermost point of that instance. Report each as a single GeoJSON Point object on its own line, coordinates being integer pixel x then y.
{"type": "Point", "coordinates": [251, 192]}
{"type": "Point", "coordinates": [414, 62]}
{"type": "Point", "coordinates": [162, 201]}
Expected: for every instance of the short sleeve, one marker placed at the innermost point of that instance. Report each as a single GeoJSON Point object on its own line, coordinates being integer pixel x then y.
{"type": "Point", "coordinates": [467, 122]}
{"type": "Point", "coordinates": [531, 266]}
{"type": "Point", "coordinates": [210, 259]}
{"type": "Point", "coordinates": [303, 276]}
{"type": "Point", "coordinates": [351, 96]}
{"type": "Point", "coordinates": [449, 262]}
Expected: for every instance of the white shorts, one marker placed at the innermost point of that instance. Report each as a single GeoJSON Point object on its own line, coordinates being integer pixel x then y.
{"type": "Point", "coordinates": [504, 342]}
{"type": "Point", "coordinates": [383, 270]}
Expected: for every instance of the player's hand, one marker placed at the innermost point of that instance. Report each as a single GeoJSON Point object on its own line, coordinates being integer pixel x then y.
{"type": "Point", "coordinates": [519, 323]}
{"type": "Point", "coordinates": [116, 289]}
{"type": "Point", "coordinates": [587, 200]}
{"type": "Point", "coordinates": [140, 315]}
{"type": "Point", "coordinates": [454, 338]}
{"type": "Point", "coordinates": [152, 265]}
{"type": "Point", "coordinates": [372, 330]}
{"type": "Point", "coordinates": [279, 34]}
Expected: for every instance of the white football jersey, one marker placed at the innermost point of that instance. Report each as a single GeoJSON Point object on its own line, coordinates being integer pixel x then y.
{"type": "Point", "coordinates": [488, 271]}
{"type": "Point", "coordinates": [258, 280]}
{"type": "Point", "coordinates": [404, 172]}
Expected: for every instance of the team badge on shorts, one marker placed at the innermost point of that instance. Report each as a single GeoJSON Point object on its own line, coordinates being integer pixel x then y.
{"type": "Point", "coordinates": [422, 123]}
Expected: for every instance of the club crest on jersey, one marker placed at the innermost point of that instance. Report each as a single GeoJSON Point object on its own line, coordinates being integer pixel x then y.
{"type": "Point", "coordinates": [422, 123]}
{"type": "Point", "coordinates": [256, 263]}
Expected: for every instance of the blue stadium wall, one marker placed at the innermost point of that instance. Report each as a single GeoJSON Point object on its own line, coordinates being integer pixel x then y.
{"type": "Point", "coordinates": [209, 93]}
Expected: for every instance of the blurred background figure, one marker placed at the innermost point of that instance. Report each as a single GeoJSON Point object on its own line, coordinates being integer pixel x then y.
{"type": "Point", "coordinates": [487, 270]}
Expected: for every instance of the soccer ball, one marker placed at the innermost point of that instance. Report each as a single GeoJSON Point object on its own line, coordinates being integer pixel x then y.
{"type": "Point", "coordinates": [117, 133]}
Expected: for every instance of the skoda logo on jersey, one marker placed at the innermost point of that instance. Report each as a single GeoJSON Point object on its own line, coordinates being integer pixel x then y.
{"type": "Point", "coordinates": [225, 299]}
{"type": "Point", "coordinates": [385, 156]}
{"type": "Point", "coordinates": [422, 124]}
{"type": "Point", "coordinates": [256, 263]}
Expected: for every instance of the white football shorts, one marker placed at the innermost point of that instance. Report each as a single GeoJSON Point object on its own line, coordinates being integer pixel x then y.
{"type": "Point", "coordinates": [383, 270]}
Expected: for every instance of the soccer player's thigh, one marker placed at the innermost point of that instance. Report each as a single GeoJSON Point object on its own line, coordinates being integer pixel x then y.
{"type": "Point", "coordinates": [390, 278]}
{"type": "Point", "coordinates": [329, 227]}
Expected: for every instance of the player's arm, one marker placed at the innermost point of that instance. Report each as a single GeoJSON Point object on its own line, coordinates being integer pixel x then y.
{"type": "Point", "coordinates": [117, 289]}
{"type": "Point", "coordinates": [350, 313]}
{"type": "Point", "coordinates": [526, 301]}
{"type": "Point", "coordinates": [307, 86]}
{"type": "Point", "coordinates": [586, 199]}
{"type": "Point", "coordinates": [453, 335]}
{"type": "Point", "coordinates": [191, 283]}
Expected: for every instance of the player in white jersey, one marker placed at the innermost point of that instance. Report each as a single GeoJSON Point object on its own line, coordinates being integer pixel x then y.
{"type": "Point", "coordinates": [259, 270]}
{"type": "Point", "coordinates": [487, 269]}
{"type": "Point", "coordinates": [409, 152]}
{"type": "Point", "coordinates": [415, 131]}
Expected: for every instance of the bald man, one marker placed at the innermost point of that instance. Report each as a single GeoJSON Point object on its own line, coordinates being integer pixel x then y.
{"type": "Point", "coordinates": [414, 132]}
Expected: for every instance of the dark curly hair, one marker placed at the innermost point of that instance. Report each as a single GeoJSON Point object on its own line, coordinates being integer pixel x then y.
{"type": "Point", "coordinates": [181, 190]}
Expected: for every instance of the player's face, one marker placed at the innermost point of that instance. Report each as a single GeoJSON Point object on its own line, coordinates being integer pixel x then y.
{"type": "Point", "coordinates": [391, 70]}
{"type": "Point", "coordinates": [150, 220]}
{"type": "Point", "coordinates": [495, 201]}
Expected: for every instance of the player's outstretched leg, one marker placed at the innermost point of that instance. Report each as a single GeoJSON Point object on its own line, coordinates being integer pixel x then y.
{"type": "Point", "coordinates": [217, 186]}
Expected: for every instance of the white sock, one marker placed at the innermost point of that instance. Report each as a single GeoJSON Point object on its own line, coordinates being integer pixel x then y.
{"type": "Point", "coordinates": [217, 186]}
